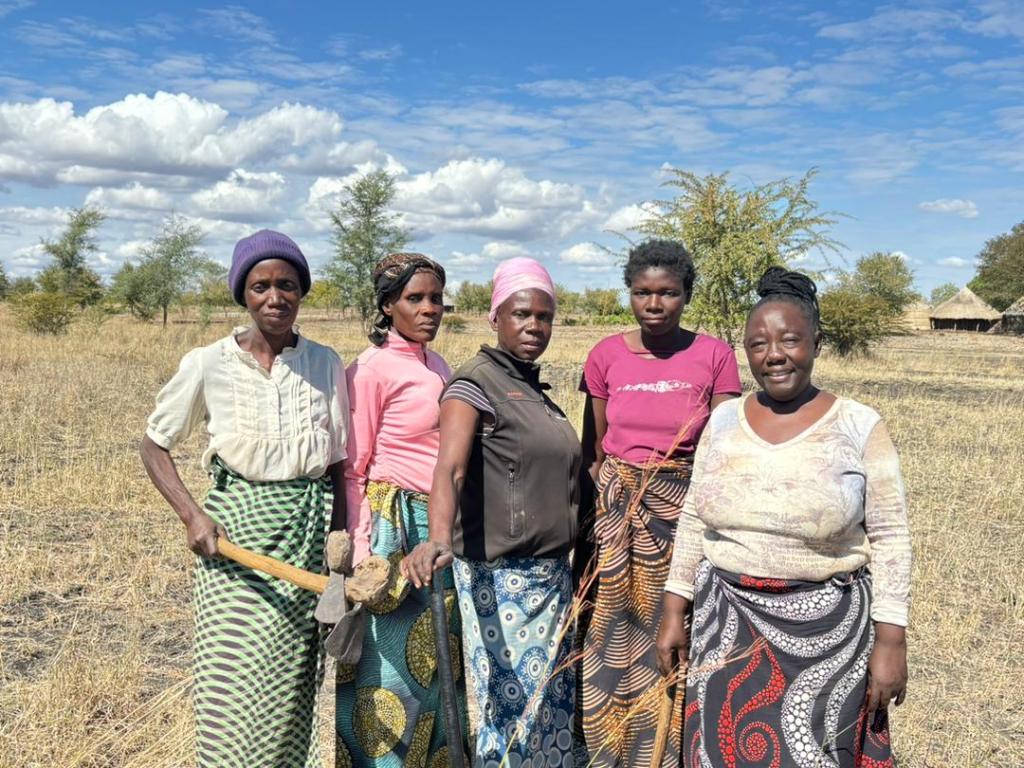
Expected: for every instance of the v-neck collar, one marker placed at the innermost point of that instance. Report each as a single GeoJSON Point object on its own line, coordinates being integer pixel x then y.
{"type": "Point", "coordinates": [753, 435]}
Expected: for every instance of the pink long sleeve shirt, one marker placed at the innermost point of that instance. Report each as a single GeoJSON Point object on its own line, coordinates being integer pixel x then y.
{"type": "Point", "coordinates": [394, 429]}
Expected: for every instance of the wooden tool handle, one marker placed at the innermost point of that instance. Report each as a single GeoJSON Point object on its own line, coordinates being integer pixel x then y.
{"type": "Point", "coordinates": [446, 673]}
{"type": "Point", "coordinates": [664, 721]}
{"type": "Point", "coordinates": [314, 582]}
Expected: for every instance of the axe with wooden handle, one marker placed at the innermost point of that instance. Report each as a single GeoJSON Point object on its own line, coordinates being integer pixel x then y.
{"type": "Point", "coordinates": [313, 582]}
{"type": "Point", "coordinates": [368, 586]}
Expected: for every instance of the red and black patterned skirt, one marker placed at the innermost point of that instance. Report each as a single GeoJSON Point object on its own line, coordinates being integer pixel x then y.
{"type": "Point", "coordinates": [778, 674]}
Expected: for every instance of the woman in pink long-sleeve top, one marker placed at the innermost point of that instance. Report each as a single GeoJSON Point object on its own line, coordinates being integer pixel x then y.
{"type": "Point", "coordinates": [387, 705]}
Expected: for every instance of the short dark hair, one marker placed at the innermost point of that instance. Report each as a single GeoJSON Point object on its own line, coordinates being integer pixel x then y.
{"type": "Point", "coordinates": [670, 255]}
{"type": "Point", "coordinates": [779, 284]}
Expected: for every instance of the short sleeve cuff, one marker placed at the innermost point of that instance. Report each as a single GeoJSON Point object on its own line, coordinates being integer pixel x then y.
{"type": "Point", "coordinates": [162, 440]}
{"type": "Point", "coordinates": [679, 588]}
{"type": "Point", "coordinates": [890, 612]}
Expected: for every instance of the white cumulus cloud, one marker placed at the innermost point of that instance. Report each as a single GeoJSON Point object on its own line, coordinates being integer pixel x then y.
{"type": "Point", "coordinates": [491, 199]}
{"type": "Point", "coordinates": [27, 260]}
{"type": "Point", "coordinates": [243, 196]}
{"type": "Point", "coordinates": [20, 214]}
{"type": "Point", "coordinates": [460, 261]}
{"type": "Point", "coordinates": [163, 135]}
{"type": "Point", "coordinates": [588, 257]}
{"type": "Point", "coordinates": [955, 261]}
{"type": "Point", "coordinates": [134, 196]}
{"type": "Point", "coordinates": [625, 218]}
{"type": "Point", "coordinates": [130, 249]}
{"type": "Point", "coordinates": [965, 208]}
{"type": "Point", "coordinates": [499, 251]}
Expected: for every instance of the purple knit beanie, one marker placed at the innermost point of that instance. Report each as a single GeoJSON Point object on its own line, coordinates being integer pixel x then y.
{"type": "Point", "coordinates": [265, 244]}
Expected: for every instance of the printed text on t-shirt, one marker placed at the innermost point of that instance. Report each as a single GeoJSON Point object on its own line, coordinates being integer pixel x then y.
{"type": "Point", "coordinates": [669, 385]}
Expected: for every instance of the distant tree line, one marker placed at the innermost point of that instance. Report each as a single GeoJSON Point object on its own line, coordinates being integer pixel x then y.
{"type": "Point", "coordinates": [733, 233]}
{"type": "Point", "coordinates": [591, 302]}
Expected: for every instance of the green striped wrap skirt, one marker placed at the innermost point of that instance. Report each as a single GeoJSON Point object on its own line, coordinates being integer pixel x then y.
{"type": "Point", "coordinates": [257, 645]}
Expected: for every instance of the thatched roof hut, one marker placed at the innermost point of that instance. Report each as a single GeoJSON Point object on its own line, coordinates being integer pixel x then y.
{"type": "Point", "coordinates": [915, 317]}
{"type": "Point", "coordinates": [964, 312]}
{"type": "Point", "coordinates": [1013, 317]}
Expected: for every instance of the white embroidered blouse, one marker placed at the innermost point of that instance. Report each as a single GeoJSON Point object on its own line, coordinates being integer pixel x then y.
{"type": "Point", "coordinates": [279, 425]}
{"type": "Point", "coordinates": [827, 501]}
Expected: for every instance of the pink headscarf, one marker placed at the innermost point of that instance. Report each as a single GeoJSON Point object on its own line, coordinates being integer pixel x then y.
{"type": "Point", "coordinates": [519, 274]}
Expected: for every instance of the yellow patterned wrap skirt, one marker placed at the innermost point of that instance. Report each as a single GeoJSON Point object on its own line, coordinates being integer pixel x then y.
{"type": "Point", "coordinates": [388, 706]}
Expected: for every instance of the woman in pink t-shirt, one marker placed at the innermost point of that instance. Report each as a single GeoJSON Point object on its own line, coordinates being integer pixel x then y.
{"type": "Point", "coordinates": [650, 392]}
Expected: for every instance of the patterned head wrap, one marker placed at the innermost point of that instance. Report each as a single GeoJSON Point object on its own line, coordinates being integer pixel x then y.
{"type": "Point", "coordinates": [390, 276]}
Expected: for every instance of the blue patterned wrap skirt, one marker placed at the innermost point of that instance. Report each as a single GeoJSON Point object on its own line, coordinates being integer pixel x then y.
{"type": "Point", "coordinates": [517, 641]}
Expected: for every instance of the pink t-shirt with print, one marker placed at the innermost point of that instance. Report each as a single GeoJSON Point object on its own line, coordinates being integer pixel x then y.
{"type": "Point", "coordinates": [657, 403]}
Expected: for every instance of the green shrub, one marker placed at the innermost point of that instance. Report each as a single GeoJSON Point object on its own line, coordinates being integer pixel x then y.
{"type": "Point", "coordinates": [43, 312]}
{"type": "Point", "coordinates": [853, 321]}
{"type": "Point", "coordinates": [617, 318]}
{"type": "Point", "coordinates": [322, 295]}
{"type": "Point", "coordinates": [96, 315]}
{"type": "Point", "coordinates": [454, 323]}
{"type": "Point", "coordinates": [20, 285]}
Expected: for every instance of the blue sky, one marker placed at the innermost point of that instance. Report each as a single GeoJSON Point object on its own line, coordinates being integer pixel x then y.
{"type": "Point", "coordinates": [527, 128]}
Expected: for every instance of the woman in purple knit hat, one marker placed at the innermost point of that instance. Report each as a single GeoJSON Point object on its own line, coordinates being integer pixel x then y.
{"type": "Point", "coordinates": [275, 406]}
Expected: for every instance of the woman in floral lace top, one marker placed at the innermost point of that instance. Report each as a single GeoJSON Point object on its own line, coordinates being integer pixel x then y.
{"type": "Point", "coordinates": [794, 550]}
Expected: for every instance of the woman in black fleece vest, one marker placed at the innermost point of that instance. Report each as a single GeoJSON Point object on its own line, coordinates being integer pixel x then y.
{"type": "Point", "coordinates": [503, 505]}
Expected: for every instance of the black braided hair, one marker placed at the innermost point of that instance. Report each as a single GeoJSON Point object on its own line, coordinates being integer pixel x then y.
{"type": "Point", "coordinates": [670, 255]}
{"type": "Point", "coordinates": [779, 284]}
{"type": "Point", "coordinates": [390, 277]}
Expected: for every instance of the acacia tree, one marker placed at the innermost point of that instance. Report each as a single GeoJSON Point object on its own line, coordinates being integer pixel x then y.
{"type": "Point", "coordinates": [1000, 278]}
{"type": "Point", "coordinates": [364, 231]}
{"type": "Point", "coordinates": [69, 273]}
{"type": "Point", "coordinates": [941, 293]}
{"type": "Point", "coordinates": [170, 264]}
{"type": "Point", "coordinates": [887, 277]}
{"type": "Point", "coordinates": [4, 285]}
{"type": "Point", "coordinates": [473, 297]}
{"type": "Point", "coordinates": [130, 288]}
{"type": "Point", "coordinates": [600, 302]}
{"type": "Point", "coordinates": [568, 301]}
{"type": "Point", "coordinates": [854, 321]}
{"type": "Point", "coordinates": [734, 235]}
{"type": "Point", "coordinates": [173, 260]}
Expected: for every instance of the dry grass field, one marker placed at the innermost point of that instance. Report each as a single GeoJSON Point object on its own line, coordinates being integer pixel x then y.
{"type": "Point", "coordinates": [94, 585]}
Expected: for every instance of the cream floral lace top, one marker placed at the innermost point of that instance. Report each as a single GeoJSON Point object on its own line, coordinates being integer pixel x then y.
{"type": "Point", "coordinates": [289, 422]}
{"type": "Point", "coordinates": [827, 501]}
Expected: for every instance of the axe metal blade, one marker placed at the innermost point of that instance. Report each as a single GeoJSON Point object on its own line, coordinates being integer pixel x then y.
{"type": "Point", "coordinates": [331, 605]}
{"type": "Point", "coordinates": [345, 641]}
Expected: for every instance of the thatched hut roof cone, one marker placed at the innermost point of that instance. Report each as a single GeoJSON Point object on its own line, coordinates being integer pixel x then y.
{"type": "Point", "coordinates": [965, 306]}
{"type": "Point", "coordinates": [1016, 309]}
